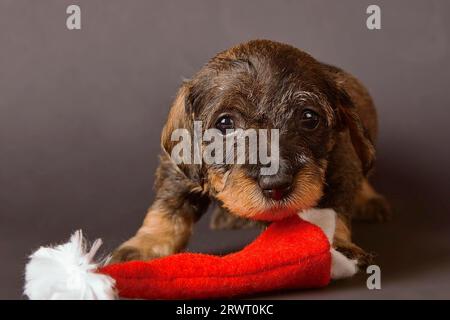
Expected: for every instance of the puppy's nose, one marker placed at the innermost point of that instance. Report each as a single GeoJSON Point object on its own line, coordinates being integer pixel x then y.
{"type": "Point", "coordinates": [276, 187]}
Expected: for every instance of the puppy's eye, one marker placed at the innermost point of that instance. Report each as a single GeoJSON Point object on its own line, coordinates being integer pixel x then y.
{"type": "Point", "coordinates": [225, 123]}
{"type": "Point", "coordinates": [310, 119]}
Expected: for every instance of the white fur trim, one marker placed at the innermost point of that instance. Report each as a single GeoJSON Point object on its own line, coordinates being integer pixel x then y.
{"type": "Point", "coordinates": [67, 272]}
{"type": "Point", "coordinates": [325, 219]}
{"type": "Point", "coordinates": [341, 266]}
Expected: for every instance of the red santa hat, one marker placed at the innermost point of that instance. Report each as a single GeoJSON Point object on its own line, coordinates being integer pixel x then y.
{"type": "Point", "coordinates": [293, 253]}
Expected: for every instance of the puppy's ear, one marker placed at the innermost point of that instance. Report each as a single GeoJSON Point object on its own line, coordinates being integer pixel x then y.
{"type": "Point", "coordinates": [361, 141]}
{"type": "Point", "coordinates": [180, 118]}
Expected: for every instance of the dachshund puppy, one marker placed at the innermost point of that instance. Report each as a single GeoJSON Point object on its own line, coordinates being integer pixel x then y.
{"type": "Point", "coordinates": [327, 125]}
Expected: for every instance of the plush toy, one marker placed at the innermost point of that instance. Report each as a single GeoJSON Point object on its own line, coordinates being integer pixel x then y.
{"type": "Point", "coordinates": [292, 253]}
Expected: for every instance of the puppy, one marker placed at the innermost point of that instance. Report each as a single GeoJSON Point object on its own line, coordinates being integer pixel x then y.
{"type": "Point", "coordinates": [327, 126]}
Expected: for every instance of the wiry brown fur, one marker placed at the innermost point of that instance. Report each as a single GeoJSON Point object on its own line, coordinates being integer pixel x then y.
{"type": "Point", "coordinates": [266, 84]}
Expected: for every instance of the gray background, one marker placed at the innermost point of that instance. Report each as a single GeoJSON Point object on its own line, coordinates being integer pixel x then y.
{"type": "Point", "coordinates": [81, 114]}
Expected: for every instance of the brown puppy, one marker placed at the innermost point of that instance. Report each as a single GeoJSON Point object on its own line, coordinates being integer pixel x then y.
{"type": "Point", "coordinates": [327, 124]}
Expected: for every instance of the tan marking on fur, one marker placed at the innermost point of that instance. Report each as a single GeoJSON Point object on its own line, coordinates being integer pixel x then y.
{"type": "Point", "coordinates": [217, 180]}
{"type": "Point", "coordinates": [342, 231]}
{"type": "Point", "coordinates": [366, 192]}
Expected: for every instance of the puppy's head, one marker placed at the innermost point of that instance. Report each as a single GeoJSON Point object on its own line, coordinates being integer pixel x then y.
{"type": "Point", "coordinates": [267, 85]}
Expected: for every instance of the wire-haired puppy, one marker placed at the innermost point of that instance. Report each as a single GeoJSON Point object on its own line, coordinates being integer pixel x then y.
{"type": "Point", "coordinates": [326, 125]}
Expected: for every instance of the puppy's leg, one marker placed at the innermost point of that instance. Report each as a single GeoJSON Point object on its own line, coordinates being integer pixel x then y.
{"type": "Point", "coordinates": [162, 233]}
{"type": "Point", "coordinates": [343, 243]}
{"type": "Point", "coordinates": [168, 224]}
{"type": "Point", "coordinates": [370, 206]}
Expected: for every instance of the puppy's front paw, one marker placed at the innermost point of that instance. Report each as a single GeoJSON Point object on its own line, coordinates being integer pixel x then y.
{"type": "Point", "coordinates": [125, 253]}
{"type": "Point", "coordinates": [141, 248]}
{"type": "Point", "coordinates": [353, 252]}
